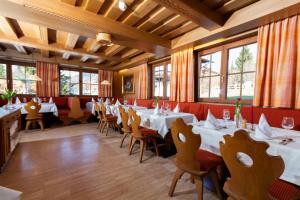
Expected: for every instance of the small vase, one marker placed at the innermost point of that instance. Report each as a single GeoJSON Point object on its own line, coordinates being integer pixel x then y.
{"type": "Point", "coordinates": [9, 102]}
{"type": "Point", "coordinates": [237, 120]}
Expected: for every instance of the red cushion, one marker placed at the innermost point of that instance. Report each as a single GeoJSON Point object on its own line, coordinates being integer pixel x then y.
{"type": "Point", "coordinates": [147, 131]}
{"type": "Point", "coordinates": [282, 190]}
{"type": "Point", "coordinates": [63, 112]}
{"type": "Point", "coordinates": [208, 160]}
{"type": "Point", "coordinates": [86, 112]}
{"type": "Point", "coordinates": [61, 102]}
{"type": "Point", "coordinates": [84, 100]}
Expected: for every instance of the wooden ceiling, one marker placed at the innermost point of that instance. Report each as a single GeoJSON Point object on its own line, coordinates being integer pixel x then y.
{"type": "Point", "coordinates": [65, 30]}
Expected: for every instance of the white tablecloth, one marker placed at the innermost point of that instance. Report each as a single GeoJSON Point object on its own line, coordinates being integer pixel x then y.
{"type": "Point", "coordinates": [290, 153]}
{"type": "Point", "coordinates": [45, 108]}
{"type": "Point", "coordinates": [162, 122]}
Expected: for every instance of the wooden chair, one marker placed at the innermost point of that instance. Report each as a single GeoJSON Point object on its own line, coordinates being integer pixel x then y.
{"type": "Point", "coordinates": [108, 121]}
{"type": "Point", "coordinates": [141, 134]}
{"type": "Point", "coordinates": [99, 115]}
{"type": "Point", "coordinates": [258, 178]}
{"type": "Point", "coordinates": [190, 159]}
{"type": "Point", "coordinates": [33, 115]}
{"type": "Point", "coordinates": [126, 128]}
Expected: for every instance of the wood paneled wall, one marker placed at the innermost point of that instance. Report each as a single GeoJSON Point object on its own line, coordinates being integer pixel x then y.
{"type": "Point", "coordinates": [117, 89]}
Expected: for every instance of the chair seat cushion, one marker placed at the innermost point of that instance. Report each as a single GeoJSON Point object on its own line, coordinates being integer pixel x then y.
{"type": "Point", "coordinates": [112, 118]}
{"type": "Point", "coordinates": [147, 131]}
{"type": "Point", "coordinates": [208, 160]}
{"type": "Point", "coordinates": [39, 116]}
{"type": "Point", "coordinates": [282, 190]}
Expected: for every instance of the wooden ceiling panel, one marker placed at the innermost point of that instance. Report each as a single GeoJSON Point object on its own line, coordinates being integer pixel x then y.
{"type": "Point", "coordinates": [186, 27]}
{"type": "Point", "coordinates": [93, 5]}
{"type": "Point", "coordinates": [139, 12]}
{"type": "Point", "coordinates": [168, 25]}
{"type": "Point", "coordinates": [154, 19]}
{"type": "Point", "coordinates": [28, 29]}
{"type": "Point", "coordinates": [234, 5]}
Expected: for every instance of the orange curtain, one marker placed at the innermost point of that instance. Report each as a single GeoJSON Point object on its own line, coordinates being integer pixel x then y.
{"type": "Point", "coordinates": [182, 75]}
{"type": "Point", "coordinates": [48, 72]}
{"type": "Point", "coordinates": [278, 66]}
{"type": "Point", "coordinates": [105, 90]}
{"type": "Point", "coordinates": [142, 82]}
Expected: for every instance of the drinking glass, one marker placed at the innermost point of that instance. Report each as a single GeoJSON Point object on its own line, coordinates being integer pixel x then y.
{"type": "Point", "coordinates": [226, 116]}
{"type": "Point", "coordinates": [287, 123]}
{"type": "Point", "coordinates": [167, 105]}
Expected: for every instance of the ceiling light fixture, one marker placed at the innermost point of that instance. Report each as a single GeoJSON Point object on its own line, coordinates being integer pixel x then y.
{"type": "Point", "coordinates": [122, 5]}
{"type": "Point", "coordinates": [104, 39]}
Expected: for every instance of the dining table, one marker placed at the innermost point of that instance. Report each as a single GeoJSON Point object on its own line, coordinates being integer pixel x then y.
{"type": "Point", "coordinates": [290, 152]}
{"type": "Point", "coordinates": [162, 121]}
{"type": "Point", "coordinates": [45, 108]}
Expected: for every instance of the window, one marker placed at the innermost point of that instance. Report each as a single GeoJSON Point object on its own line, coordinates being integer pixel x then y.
{"type": "Point", "coordinates": [241, 71]}
{"type": "Point", "coordinates": [209, 75]}
{"type": "Point", "coordinates": [23, 82]}
{"type": "Point", "coordinates": [161, 79]}
{"type": "Point", "coordinates": [228, 72]}
{"type": "Point", "coordinates": [3, 77]}
{"type": "Point", "coordinates": [69, 82]}
{"type": "Point", "coordinates": [89, 83]}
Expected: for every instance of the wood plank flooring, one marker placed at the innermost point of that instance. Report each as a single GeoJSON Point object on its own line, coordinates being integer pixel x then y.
{"type": "Point", "coordinates": [91, 166]}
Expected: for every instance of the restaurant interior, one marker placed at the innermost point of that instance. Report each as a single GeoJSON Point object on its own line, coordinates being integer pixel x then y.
{"type": "Point", "coordinates": [149, 99]}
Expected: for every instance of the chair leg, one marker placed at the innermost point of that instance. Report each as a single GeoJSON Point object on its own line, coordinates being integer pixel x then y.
{"type": "Point", "coordinates": [142, 148]}
{"type": "Point", "coordinates": [214, 176]}
{"type": "Point", "coordinates": [40, 122]}
{"type": "Point", "coordinates": [199, 187]}
{"type": "Point", "coordinates": [108, 125]}
{"type": "Point", "coordinates": [133, 140]}
{"type": "Point", "coordinates": [122, 141]}
{"type": "Point", "coordinates": [192, 179]}
{"type": "Point", "coordinates": [27, 125]}
{"type": "Point", "coordinates": [130, 142]}
{"type": "Point", "coordinates": [177, 176]}
{"type": "Point", "coordinates": [155, 146]}
{"type": "Point", "coordinates": [99, 124]}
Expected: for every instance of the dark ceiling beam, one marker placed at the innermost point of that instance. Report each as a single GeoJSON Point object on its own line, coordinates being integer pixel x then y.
{"type": "Point", "coordinates": [195, 11]}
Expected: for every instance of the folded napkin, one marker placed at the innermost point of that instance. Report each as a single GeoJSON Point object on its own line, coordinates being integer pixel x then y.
{"type": "Point", "coordinates": [17, 101]}
{"type": "Point", "coordinates": [135, 103]}
{"type": "Point", "coordinates": [176, 109]}
{"type": "Point", "coordinates": [118, 103]}
{"type": "Point", "coordinates": [156, 110]}
{"type": "Point", "coordinates": [106, 101]}
{"type": "Point", "coordinates": [51, 100]}
{"type": "Point", "coordinates": [39, 100]}
{"type": "Point", "coordinates": [211, 122]}
{"type": "Point", "coordinates": [100, 100]}
{"type": "Point", "coordinates": [93, 100]}
{"type": "Point", "coordinates": [264, 130]}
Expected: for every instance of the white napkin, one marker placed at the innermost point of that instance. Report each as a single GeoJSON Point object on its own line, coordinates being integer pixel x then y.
{"type": "Point", "coordinates": [156, 110]}
{"type": "Point", "coordinates": [106, 101]}
{"type": "Point", "coordinates": [100, 100]}
{"type": "Point", "coordinates": [211, 122]}
{"type": "Point", "coordinates": [264, 130]}
{"type": "Point", "coordinates": [118, 103]}
{"type": "Point", "coordinates": [51, 100]}
{"type": "Point", "coordinates": [39, 100]}
{"type": "Point", "coordinates": [93, 100]}
{"type": "Point", "coordinates": [135, 103]}
{"type": "Point", "coordinates": [17, 101]}
{"type": "Point", "coordinates": [176, 109]}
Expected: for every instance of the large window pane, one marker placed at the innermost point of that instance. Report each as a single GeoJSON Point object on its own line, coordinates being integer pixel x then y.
{"type": "Point", "coordinates": [248, 85]}
{"type": "Point", "coordinates": [235, 60]}
{"type": "Point", "coordinates": [69, 82]}
{"type": "Point", "coordinates": [215, 87]}
{"type": "Point", "coordinates": [3, 78]}
{"type": "Point", "coordinates": [90, 83]}
{"type": "Point", "coordinates": [23, 82]}
{"type": "Point", "coordinates": [204, 87]}
{"type": "Point", "coordinates": [159, 81]}
{"type": "Point", "coordinates": [209, 75]}
{"type": "Point", "coordinates": [233, 86]}
{"type": "Point", "coordinates": [250, 57]}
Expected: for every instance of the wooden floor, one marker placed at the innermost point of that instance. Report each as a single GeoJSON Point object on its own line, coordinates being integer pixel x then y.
{"type": "Point", "coordinates": [91, 166]}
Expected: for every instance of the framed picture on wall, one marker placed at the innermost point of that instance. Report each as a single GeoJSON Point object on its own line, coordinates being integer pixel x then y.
{"type": "Point", "coordinates": [127, 84]}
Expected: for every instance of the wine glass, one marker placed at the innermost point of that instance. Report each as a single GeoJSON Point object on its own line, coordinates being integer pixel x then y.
{"type": "Point", "coordinates": [167, 105]}
{"type": "Point", "coordinates": [287, 123]}
{"type": "Point", "coordinates": [226, 115]}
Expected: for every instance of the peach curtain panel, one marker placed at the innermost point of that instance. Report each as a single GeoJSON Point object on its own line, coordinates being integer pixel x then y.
{"type": "Point", "coordinates": [182, 75]}
{"type": "Point", "coordinates": [143, 82]}
{"type": "Point", "coordinates": [48, 72]}
{"type": "Point", "coordinates": [278, 66]}
{"type": "Point", "coordinates": [105, 90]}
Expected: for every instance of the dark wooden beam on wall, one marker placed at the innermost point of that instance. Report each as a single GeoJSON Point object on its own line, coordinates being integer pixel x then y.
{"type": "Point", "coordinates": [195, 11]}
